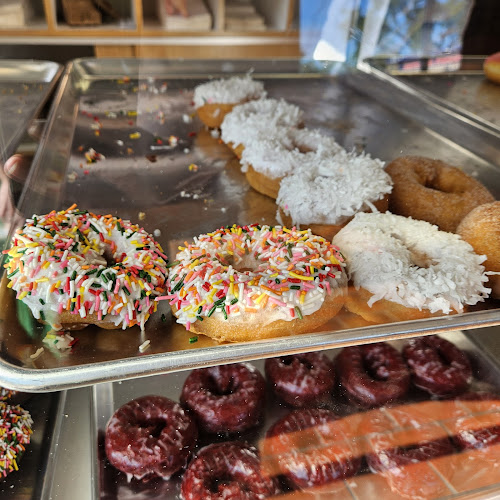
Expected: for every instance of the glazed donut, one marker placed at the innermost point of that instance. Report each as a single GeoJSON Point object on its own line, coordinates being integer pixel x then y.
{"type": "Point", "coordinates": [301, 379]}
{"type": "Point", "coordinates": [225, 399]}
{"type": "Point", "coordinates": [268, 160]}
{"type": "Point", "coordinates": [15, 434]}
{"type": "Point", "coordinates": [477, 432]}
{"type": "Point", "coordinates": [230, 470]}
{"type": "Point", "coordinates": [433, 191]}
{"type": "Point", "coordinates": [373, 374]}
{"type": "Point", "coordinates": [214, 99]}
{"type": "Point", "coordinates": [258, 119]}
{"type": "Point", "coordinates": [150, 436]}
{"type": "Point", "coordinates": [327, 195]}
{"type": "Point", "coordinates": [437, 366]}
{"type": "Point", "coordinates": [254, 282]}
{"type": "Point", "coordinates": [491, 67]}
{"type": "Point", "coordinates": [332, 456]}
{"type": "Point", "coordinates": [481, 229]}
{"type": "Point", "coordinates": [76, 268]}
{"type": "Point", "coordinates": [403, 269]}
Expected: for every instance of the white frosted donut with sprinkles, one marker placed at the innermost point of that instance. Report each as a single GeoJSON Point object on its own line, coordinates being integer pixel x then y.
{"type": "Point", "coordinates": [258, 119]}
{"type": "Point", "coordinates": [404, 269]}
{"type": "Point", "coordinates": [15, 434]}
{"type": "Point", "coordinates": [215, 98]}
{"type": "Point", "coordinates": [74, 268]}
{"type": "Point", "coordinates": [254, 282]}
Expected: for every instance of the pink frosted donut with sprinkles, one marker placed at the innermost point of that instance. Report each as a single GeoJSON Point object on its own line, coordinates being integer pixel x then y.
{"type": "Point", "coordinates": [73, 268]}
{"type": "Point", "coordinates": [15, 434]}
{"type": "Point", "coordinates": [252, 282]}
{"type": "Point", "coordinates": [214, 99]}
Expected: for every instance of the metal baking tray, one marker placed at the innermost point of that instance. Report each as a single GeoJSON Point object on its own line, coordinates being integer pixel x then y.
{"type": "Point", "coordinates": [113, 485]}
{"type": "Point", "coordinates": [25, 86]}
{"type": "Point", "coordinates": [120, 107]}
{"type": "Point", "coordinates": [33, 479]}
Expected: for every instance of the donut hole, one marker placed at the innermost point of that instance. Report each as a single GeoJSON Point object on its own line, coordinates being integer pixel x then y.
{"type": "Point", "coordinates": [225, 483]}
{"type": "Point", "coordinates": [218, 388]}
{"type": "Point", "coordinates": [376, 369]}
{"type": "Point", "coordinates": [291, 360]}
{"type": "Point", "coordinates": [153, 426]}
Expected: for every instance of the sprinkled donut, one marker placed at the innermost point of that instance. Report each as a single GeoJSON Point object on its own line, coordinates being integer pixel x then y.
{"type": "Point", "coordinates": [150, 436]}
{"type": "Point", "coordinates": [268, 160]}
{"type": "Point", "coordinates": [76, 268]}
{"type": "Point", "coordinates": [225, 399]}
{"type": "Point", "coordinates": [433, 191]}
{"type": "Point", "coordinates": [15, 434]}
{"type": "Point", "coordinates": [404, 269]}
{"type": "Point", "coordinates": [326, 196]}
{"type": "Point", "coordinates": [254, 282]}
{"type": "Point", "coordinates": [214, 99]}
{"type": "Point", "coordinates": [257, 119]}
{"type": "Point", "coordinates": [481, 228]}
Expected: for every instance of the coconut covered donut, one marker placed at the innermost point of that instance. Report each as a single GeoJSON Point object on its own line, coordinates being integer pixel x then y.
{"type": "Point", "coordinates": [214, 99]}
{"type": "Point", "coordinates": [325, 197]}
{"type": "Point", "coordinates": [254, 282]}
{"type": "Point", "coordinates": [74, 268]}
{"type": "Point", "coordinates": [433, 191]}
{"type": "Point", "coordinates": [404, 269]}
{"type": "Point", "coordinates": [257, 119]}
{"type": "Point", "coordinates": [481, 228]}
{"type": "Point", "coordinates": [268, 160]}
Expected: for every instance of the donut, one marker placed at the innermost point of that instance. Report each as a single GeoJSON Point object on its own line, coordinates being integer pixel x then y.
{"type": "Point", "coordinates": [491, 67]}
{"type": "Point", "coordinates": [403, 269]}
{"type": "Point", "coordinates": [15, 434]}
{"type": "Point", "coordinates": [325, 197]}
{"type": "Point", "coordinates": [76, 268]}
{"type": "Point", "coordinates": [268, 160]}
{"type": "Point", "coordinates": [301, 379]}
{"type": "Point", "coordinates": [477, 432]}
{"type": "Point", "coordinates": [151, 436]}
{"type": "Point", "coordinates": [325, 455]}
{"type": "Point", "coordinates": [214, 99]}
{"type": "Point", "coordinates": [434, 191]}
{"type": "Point", "coordinates": [230, 470]}
{"type": "Point", "coordinates": [225, 399]}
{"type": "Point", "coordinates": [257, 119]}
{"type": "Point", "coordinates": [438, 366]}
{"type": "Point", "coordinates": [481, 229]}
{"type": "Point", "coordinates": [373, 374]}
{"type": "Point", "coordinates": [254, 282]}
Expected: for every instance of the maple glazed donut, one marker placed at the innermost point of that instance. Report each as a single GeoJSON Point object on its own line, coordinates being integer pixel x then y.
{"type": "Point", "coordinates": [230, 470]}
{"type": "Point", "coordinates": [438, 366]}
{"type": "Point", "coordinates": [434, 191]}
{"type": "Point", "coordinates": [481, 228]}
{"type": "Point", "coordinates": [74, 268]}
{"type": "Point", "coordinates": [257, 119]}
{"type": "Point", "coordinates": [15, 434]}
{"type": "Point", "coordinates": [301, 379]}
{"type": "Point", "coordinates": [214, 99]}
{"type": "Point", "coordinates": [226, 398]}
{"type": "Point", "coordinates": [324, 198]}
{"type": "Point", "coordinates": [150, 436]}
{"type": "Point", "coordinates": [373, 374]}
{"type": "Point", "coordinates": [254, 282]}
{"type": "Point", "coordinates": [404, 269]}
{"type": "Point", "coordinates": [269, 159]}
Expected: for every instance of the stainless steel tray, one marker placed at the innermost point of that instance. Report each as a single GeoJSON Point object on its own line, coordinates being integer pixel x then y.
{"type": "Point", "coordinates": [33, 479]}
{"type": "Point", "coordinates": [103, 104]}
{"type": "Point", "coordinates": [113, 485]}
{"type": "Point", "coordinates": [24, 89]}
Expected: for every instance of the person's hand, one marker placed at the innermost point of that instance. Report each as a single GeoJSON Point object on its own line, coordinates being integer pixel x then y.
{"type": "Point", "coordinates": [176, 7]}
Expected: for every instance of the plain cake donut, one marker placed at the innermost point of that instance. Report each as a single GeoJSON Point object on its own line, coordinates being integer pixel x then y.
{"type": "Point", "coordinates": [434, 191]}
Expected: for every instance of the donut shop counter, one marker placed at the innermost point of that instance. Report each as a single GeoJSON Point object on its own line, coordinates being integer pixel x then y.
{"type": "Point", "coordinates": [376, 402]}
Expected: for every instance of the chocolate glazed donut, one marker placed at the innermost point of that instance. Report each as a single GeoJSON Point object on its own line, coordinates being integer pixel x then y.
{"type": "Point", "coordinates": [438, 366]}
{"type": "Point", "coordinates": [226, 398]}
{"type": "Point", "coordinates": [373, 374]}
{"type": "Point", "coordinates": [150, 436]}
{"type": "Point", "coordinates": [230, 470]}
{"type": "Point", "coordinates": [301, 379]}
